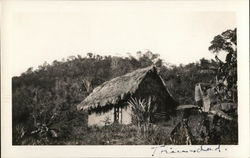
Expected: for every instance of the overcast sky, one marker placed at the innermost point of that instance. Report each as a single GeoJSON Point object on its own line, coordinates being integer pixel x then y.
{"type": "Point", "coordinates": [52, 32]}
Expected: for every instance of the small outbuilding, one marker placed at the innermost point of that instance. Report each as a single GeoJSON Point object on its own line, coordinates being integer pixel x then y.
{"type": "Point", "coordinates": [108, 102]}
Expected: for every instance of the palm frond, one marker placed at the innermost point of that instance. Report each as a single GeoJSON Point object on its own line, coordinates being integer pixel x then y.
{"type": "Point", "coordinates": [216, 112]}
{"type": "Point", "coordinates": [143, 109]}
{"type": "Point", "coordinates": [181, 107]}
{"type": "Point", "coordinates": [221, 114]}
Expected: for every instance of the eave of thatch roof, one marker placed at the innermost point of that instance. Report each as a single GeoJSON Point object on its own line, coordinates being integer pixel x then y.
{"type": "Point", "coordinates": [112, 92]}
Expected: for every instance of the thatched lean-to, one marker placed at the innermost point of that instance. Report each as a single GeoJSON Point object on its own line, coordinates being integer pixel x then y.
{"type": "Point", "coordinates": [142, 83]}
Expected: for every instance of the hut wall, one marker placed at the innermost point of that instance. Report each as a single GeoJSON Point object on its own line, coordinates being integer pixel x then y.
{"type": "Point", "coordinates": [126, 117]}
{"type": "Point", "coordinates": [98, 119]}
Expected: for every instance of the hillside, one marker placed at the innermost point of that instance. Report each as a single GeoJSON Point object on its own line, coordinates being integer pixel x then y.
{"type": "Point", "coordinates": [48, 96]}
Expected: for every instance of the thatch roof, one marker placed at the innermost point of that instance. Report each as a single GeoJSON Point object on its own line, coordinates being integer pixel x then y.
{"type": "Point", "coordinates": [113, 91]}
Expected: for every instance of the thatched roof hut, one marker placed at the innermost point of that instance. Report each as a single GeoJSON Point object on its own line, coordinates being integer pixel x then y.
{"type": "Point", "coordinates": [141, 83]}
{"type": "Point", "coordinates": [117, 89]}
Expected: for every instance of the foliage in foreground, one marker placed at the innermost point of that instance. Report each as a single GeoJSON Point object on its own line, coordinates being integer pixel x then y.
{"type": "Point", "coordinates": [116, 134]}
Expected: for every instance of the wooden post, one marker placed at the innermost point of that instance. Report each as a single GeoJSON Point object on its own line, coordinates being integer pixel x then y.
{"type": "Point", "coordinates": [121, 115]}
{"type": "Point", "coordinates": [116, 114]}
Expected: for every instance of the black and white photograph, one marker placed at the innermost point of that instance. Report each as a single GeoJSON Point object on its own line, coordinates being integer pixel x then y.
{"type": "Point", "coordinates": [123, 73]}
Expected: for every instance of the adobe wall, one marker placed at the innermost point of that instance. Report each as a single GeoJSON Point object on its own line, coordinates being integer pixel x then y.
{"type": "Point", "coordinates": [99, 119]}
{"type": "Point", "coordinates": [126, 115]}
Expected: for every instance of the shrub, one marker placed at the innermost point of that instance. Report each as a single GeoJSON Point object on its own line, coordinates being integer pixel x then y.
{"type": "Point", "coordinates": [142, 111]}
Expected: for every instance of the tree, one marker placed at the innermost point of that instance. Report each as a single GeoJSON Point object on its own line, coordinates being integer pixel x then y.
{"type": "Point", "coordinates": [226, 41]}
{"type": "Point", "coordinates": [227, 71]}
{"type": "Point", "coordinates": [149, 58]}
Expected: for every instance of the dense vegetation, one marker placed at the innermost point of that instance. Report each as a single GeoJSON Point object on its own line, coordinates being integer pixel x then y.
{"type": "Point", "coordinates": [44, 100]}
